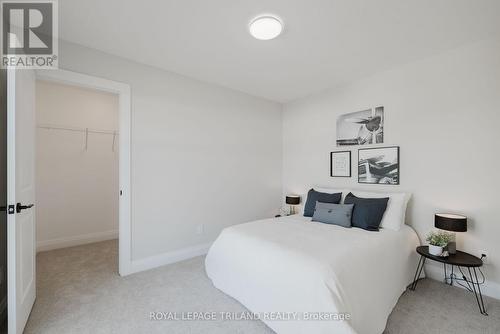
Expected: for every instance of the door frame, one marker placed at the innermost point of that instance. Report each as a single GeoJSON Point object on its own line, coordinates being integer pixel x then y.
{"type": "Point", "coordinates": [123, 92]}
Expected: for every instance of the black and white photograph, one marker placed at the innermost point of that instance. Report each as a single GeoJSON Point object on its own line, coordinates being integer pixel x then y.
{"type": "Point", "coordinates": [378, 165]}
{"type": "Point", "coordinates": [340, 164]}
{"type": "Point", "coordinates": [361, 127]}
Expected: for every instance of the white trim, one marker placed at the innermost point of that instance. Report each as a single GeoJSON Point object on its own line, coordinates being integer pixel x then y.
{"type": "Point", "coordinates": [46, 245]}
{"type": "Point", "coordinates": [169, 258]}
{"type": "Point", "coordinates": [435, 272]}
{"type": "Point", "coordinates": [123, 91]}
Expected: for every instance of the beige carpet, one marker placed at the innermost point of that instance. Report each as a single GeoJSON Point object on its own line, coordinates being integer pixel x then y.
{"type": "Point", "coordinates": [79, 291]}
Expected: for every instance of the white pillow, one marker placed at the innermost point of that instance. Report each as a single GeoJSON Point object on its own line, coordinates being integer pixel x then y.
{"type": "Point", "coordinates": [395, 213]}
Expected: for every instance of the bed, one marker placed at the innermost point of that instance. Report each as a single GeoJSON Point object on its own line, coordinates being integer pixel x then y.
{"type": "Point", "coordinates": [305, 270]}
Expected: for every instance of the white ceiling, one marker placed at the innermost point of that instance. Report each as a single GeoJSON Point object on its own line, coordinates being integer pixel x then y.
{"type": "Point", "coordinates": [325, 43]}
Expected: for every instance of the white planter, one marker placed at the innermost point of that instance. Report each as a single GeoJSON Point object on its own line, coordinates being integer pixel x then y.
{"type": "Point", "coordinates": [435, 250]}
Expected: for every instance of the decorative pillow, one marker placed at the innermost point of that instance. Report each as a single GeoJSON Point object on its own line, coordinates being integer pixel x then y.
{"type": "Point", "coordinates": [314, 196]}
{"type": "Point", "coordinates": [336, 214]}
{"type": "Point", "coordinates": [324, 190]}
{"type": "Point", "coordinates": [344, 191]}
{"type": "Point", "coordinates": [368, 212]}
{"type": "Point", "coordinates": [394, 216]}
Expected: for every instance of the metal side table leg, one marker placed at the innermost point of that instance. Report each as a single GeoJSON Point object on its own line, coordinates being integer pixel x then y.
{"type": "Point", "coordinates": [483, 310]}
{"type": "Point", "coordinates": [474, 283]}
{"type": "Point", "coordinates": [446, 277]}
{"type": "Point", "coordinates": [418, 272]}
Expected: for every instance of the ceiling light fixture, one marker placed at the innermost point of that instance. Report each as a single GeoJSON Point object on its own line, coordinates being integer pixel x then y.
{"type": "Point", "coordinates": [266, 27]}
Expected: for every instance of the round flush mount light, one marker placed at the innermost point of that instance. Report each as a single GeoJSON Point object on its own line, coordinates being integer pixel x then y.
{"type": "Point", "coordinates": [266, 27]}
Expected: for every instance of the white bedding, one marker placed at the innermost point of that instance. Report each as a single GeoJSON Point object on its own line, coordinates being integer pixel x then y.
{"type": "Point", "coordinates": [291, 264]}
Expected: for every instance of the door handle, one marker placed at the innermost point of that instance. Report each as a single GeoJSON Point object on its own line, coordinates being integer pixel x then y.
{"type": "Point", "coordinates": [20, 207]}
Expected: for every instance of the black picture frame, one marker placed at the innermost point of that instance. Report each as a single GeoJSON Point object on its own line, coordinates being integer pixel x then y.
{"type": "Point", "coordinates": [332, 154]}
{"type": "Point", "coordinates": [365, 176]}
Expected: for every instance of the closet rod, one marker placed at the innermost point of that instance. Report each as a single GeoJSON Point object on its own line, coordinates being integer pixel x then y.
{"type": "Point", "coordinates": [57, 127]}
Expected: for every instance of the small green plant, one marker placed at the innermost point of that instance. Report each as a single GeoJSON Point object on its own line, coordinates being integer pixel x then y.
{"type": "Point", "coordinates": [439, 238]}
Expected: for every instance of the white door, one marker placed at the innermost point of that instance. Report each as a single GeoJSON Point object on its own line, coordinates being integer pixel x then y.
{"type": "Point", "coordinates": [21, 195]}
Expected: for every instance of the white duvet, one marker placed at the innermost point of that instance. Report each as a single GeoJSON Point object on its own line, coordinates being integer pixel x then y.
{"type": "Point", "coordinates": [294, 266]}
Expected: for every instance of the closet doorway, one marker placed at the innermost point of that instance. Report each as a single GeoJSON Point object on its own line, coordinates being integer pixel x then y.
{"type": "Point", "coordinates": [82, 162]}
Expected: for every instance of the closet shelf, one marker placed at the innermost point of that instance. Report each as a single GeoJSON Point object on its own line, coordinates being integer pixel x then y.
{"type": "Point", "coordinates": [74, 129]}
{"type": "Point", "coordinates": [85, 131]}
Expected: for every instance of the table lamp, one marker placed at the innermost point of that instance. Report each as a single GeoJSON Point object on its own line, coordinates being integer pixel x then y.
{"type": "Point", "coordinates": [451, 222]}
{"type": "Point", "coordinates": [292, 200]}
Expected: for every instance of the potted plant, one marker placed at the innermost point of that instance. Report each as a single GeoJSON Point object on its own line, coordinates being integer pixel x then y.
{"type": "Point", "coordinates": [437, 241]}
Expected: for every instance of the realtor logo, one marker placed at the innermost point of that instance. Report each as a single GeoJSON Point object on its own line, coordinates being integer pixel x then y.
{"type": "Point", "coordinates": [29, 34]}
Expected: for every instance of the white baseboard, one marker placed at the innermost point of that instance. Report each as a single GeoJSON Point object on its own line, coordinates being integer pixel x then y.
{"type": "Point", "coordinates": [489, 288]}
{"type": "Point", "coordinates": [168, 258]}
{"type": "Point", "coordinates": [46, 245]}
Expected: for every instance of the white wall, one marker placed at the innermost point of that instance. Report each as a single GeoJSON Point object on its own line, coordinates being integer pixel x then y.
{"type": "Point", "coordinates": [77, 189]}
{"type": "Point", "coordinates": [444, 114]}
{"type": "Point", "coordinates": [201, 154]}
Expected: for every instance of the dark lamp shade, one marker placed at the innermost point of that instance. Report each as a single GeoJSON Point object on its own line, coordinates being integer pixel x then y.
{"type": "Point", "coordinates": [293, 200]}
{"type": "Point", "coordinates": [450, 222]}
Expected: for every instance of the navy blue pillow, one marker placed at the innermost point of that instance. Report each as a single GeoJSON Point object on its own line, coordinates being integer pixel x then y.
{"type": "Point", "coordinates": [368, 212]}
{"type": "Point", "coordinates": [314, 196]}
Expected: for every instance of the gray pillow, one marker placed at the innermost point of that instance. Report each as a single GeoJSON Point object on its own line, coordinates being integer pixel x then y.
{"type": "Point", "coordinates": [336, 214]}
{"type": "Point", "coordinates": [314, 196]}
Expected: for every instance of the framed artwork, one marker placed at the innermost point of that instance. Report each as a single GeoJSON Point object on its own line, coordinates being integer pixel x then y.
{"type": "Point", "coordinates": [361, 128]}
{"type": "Point", "coordinates": [379, 165]}
{"type": "Point", "coordinates": [340, 164]}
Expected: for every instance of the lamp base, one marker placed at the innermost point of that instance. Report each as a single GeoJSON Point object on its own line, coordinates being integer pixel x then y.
{"type": "Point", "coordinates": [452, 247]}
